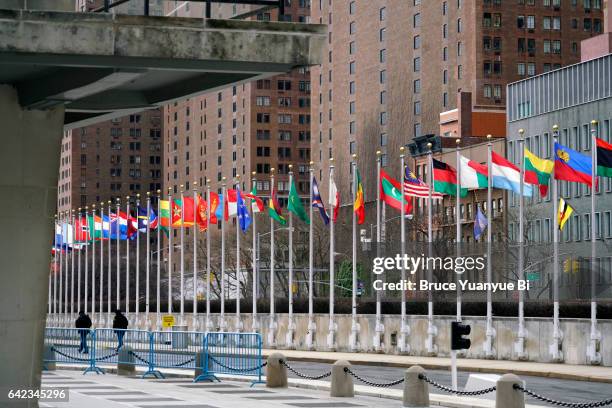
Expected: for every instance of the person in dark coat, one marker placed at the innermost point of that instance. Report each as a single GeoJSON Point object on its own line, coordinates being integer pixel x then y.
{"type": "Point", "coordinates": [120, 325]}
{"type": "Point", "coordinates": [83, 322]}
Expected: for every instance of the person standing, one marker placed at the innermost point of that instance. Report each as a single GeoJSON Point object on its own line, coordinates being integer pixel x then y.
{"type": "Point", "coordinates": [120, 325]}
{"type": "Point", "coordinates": [83, 323]}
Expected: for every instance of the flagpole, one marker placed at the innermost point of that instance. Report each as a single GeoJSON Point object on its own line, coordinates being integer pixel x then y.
{"type": "Point", "coordinates": [238, 323]}
{"type": "Point", "coordinates": [592, 353]}
{"type": "Point", "coordinates": [490, 331]}
{"type": "Point", "coordinates": [56, 265]}
{"type": "Point", "coordinates": [148, 265]}
{"type": "Point", "coordinates": [354, 338]}
{"type": "Point", "coordinates": [93, 263]}
{"type": "Point", "coordinates": [379, 329]}
{"type": "Point", "coordinates": [73, 218]}
{"type": "Point", "coordinates": [127, 256]}
{"type": "Point", "coordinates": [79, 307]}
{"type": "Point", "coordinates": [432, 330]}
{"type": "Point", "coordinates": [331, 336]}
{"type": "Point", "coordinates": [110, 269]}
{"type": "Point", "coordinates": [85, 296]}
{"type": "Point", "coordinates": [291, 322]}
{"type": "Point", "coordinates": [158, 287]}
{"type": "Point", "coordinates": [118, 253]}
{"type": "Point", "coordinates": [555, 347]}
{"type": "Point", "coordinates": [272, 322]}
{"type": "Point", "coordinates": [522, 333]}
{"type": "Point", "coordinates": [311, 323]}
{"type": "Point", "coordinates": [170, 248]}
{"type": "Point", "coordinates": [61, 266]}
{"type": "Point", "coordinates": [222, 323]}
{"type": "Point", "coordinates": [66, 239]}
{"type": "Point", "coordinates": [101, 284]}
{"type": "Point", "coordinates": [404, 328]}
{"type": "Point", "coordinates": [137, 292]}
{"type": "Point", "coordinates": [209, 325]}
{"type": "Point", "coordinates": [458, 224]}
{"type": "Point", "coordinates": [182, 275]}
{"type": "Point", "coordinates": [194, 323]}
{"type": "Point", "coordinates": [254, 318]}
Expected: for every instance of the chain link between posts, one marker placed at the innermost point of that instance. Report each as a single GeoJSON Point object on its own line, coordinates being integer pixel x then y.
{"type": "Point", "coordinates": [307, 377]}
{"type": "Point", "coordinates": [370, 383]}
{"type": "Point", "coordinates": [563, 403]}
{"type": "Point", "coordinates": [457, 392]}
{"type": "Point", "coordinates": [214, 360]}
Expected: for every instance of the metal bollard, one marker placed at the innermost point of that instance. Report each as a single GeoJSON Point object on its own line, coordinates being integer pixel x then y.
{"type": "Point", "coordinates": [416, 391]}
{"type": "Point", "coordinates": [276, 373]}
{"type": "Point", "coordinates": [125, 362]}
{"type": "Point", "coordinates": [506, 396]}
{"type": "Point", "coordinates": [49, 357]}
{"type": "Point", "coordinates": [341, 381]}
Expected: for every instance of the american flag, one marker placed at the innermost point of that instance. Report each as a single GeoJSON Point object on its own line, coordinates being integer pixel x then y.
{"type": "Point", "coordinates": [414, 186]}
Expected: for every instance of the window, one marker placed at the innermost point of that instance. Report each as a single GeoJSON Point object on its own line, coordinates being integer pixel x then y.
{"type": "Point", "coordinates": [352, 67]}
{"type": "Point", "coordinates": [416, 42]}
{"type": "Point", "coordinates": [352, 128]}
{"type": "Point", "coordinates": [352, 7]}
{"type": "Point", "coordinates": [520, 69]}
{"type": "Point", "coordinates": [382, 34]}
{"type": "Point", "coordinates": [382, 13]}
{"type": "Point", "coordinates": [445, 76]}
{"type": "Point", "coordinates": [282, 101]}
{"type": "Point", "coordinates": [445, 54]}
{"type": "Point", "coordinates": [352, 87]}
{"type": "Point", "coordinates": [444, 30]}
{"type": "Point", "coordinates": [459, 25]}
{"type": "Point", "coordinates": [304, 86]}
{"type": "Point", "coordinates": [383, 98]}
{"type": "Point", "coordinates": [262, 118]}
{"type": "Point", "coordinates": [263, 101]}
{"type": "Point", "coordinates": [383, 56]}
{"type": "Point", "coordinates": [497, 91]}
{"type": "Point", "coordinates": [459, 48]}
{"type": "Point", "coordinates": [487, 91]}
{"type": "Point", "coordinates": [417, 86]}
{"type": "Point", "coordinates": [284, 118]}
{"type": "Point", "coordinates": [531, 69]}
{"type": "Point", "coordinates": [352, 107]}
{"type": "Point", "coordinates": [487, 20]}
{"type": "Point", "coordinates": [459, 71]}
{"type": "Point", "coordinates": [417, 108]}
{"type": "Point", "coordinates": [521, 47]}
{"type": "Point", "coordinates": [352, 27]}
{"type": "Point", "coordinates": [417, 64]}
{"type": "Point", "coordinates": [416, 20]}
{"type": "Point", "coordinates": [284, 85]}
{"type": "Point", "coordinates": [383, 118]}
{"type": "Point", "coordinates": [383, 76]}
{"type": "Point", "coordinates": [530, 22]}
{"type": "Point", "coordinates": [520, 21]}
{"type": "Point", "coordinates": [352, 47]}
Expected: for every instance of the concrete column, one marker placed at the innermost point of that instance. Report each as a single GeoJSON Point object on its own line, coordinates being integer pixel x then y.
{"type": "Point", "coordinates": [341, 381]}
{"type": "Point", "coordinates": [506, 396]}
{"type": "Point", "coordinates": [29, 164]}
{"type": "Point", "coordinates": [125, 362]}
{"type": "Point", "coordinates": [276, 373]}
{"type": "Point", "coordinates": [416, 391]}
{"type": "Point", "coordinates": [49, 357]}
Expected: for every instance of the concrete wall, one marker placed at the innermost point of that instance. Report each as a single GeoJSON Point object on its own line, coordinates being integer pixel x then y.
{"type": "Point", "coordinates": [539, 335]}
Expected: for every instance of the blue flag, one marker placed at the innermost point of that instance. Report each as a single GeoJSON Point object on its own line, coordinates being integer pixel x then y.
{"type": "Point", "coordinates": [317, 202]}
{"type": "Point", "coordinates": [243, 213]}
{"type": "Point", "coordinates": [480, 223]}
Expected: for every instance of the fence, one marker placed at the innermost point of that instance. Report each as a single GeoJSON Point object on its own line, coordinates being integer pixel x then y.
{"type": "Point", "coordinates": [232, 353]}
{"type": "Point", "coordinates": [208, 353]}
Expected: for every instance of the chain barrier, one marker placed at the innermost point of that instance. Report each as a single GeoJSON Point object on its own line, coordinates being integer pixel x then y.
{"type": "Point", "coordinates": [185, 362]}
{"type": "Point", "coordinates": [140, 358]}
{"type": "Point", "coordinates": [107, 357]}
{"type": "Point", "coordinates": [69, 356]}
{"type": "Point", "coordinates": [307, 377]}
{"type": "Point", "coordinates": [457, 392]}
{"type": "Point", "coordinates": [373, 384]}
{"type": "Point", "coordinates": [563, 403]}
{"type": "Point", "coordinates": [245, 370]}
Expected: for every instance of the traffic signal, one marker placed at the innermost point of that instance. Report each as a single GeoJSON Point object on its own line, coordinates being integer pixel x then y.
{"type": "Point", "coordinates": [458, 330]}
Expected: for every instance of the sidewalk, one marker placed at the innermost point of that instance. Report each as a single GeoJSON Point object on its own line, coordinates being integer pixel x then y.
{"type": "Point", "coordinates": [550, 370]}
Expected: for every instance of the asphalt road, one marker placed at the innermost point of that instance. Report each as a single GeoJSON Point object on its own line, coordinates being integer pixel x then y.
{"type": "Point", "coordinates": [563, 390]}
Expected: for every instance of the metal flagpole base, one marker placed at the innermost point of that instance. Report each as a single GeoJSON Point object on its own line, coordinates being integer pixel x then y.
{"type": "Point", "coordinates": [310, 336]}
{"type": "Point", "coordinates": [519, 344]}
{"type": "Point", "coordinates": [430, 344]}
{"type": "Point", "coordinates": [239, 327]}
{"type": "Point", "coordinates": [289, 336]}
{"type": "Point", "coordinates": [403, 339]}
{"type": "Point", "coordinates": [488, 347]}
{"type": "Point", "coordinates": [556, 348]}
{"type": "Point", "coordinates": [593, 355]}
{"type": "Point", "coordinates": [331, 336]}
{"type": "Point", "coordinates": [354, 336]}
{"type": "Point", "coordinates": [379, 331]}
{"type": "Point", "coordinates": [255, 324]}
{"type": "Point", "coordinates": [272, 332]}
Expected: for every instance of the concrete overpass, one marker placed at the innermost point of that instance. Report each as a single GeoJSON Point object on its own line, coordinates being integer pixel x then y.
{"type": "Point", "coordinates": [66, 69]}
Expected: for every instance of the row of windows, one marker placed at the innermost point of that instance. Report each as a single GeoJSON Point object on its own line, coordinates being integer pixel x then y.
{"type": "Point", "coordinates": [577, 228]}
{"type": "Point", "coordinates": [587, 4]}
{"type": "Point", "coordinates": [494, 20]}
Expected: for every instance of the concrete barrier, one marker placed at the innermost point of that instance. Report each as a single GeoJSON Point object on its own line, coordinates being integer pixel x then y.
{"type": "Point", "coordinates": [199, 363]}
{"type": "Point", "coordinates": [416, 391]}
{"type": "Point", "coordinates": [341, 381]}
{"type": "Point", "coordinates": [125, 362]}
{"type": "Point", "coordinates": [276, 373]}
{"type": "Point", "coordinates": [49, 357]}
{"type": "Point", "coordinates": [506, 395]}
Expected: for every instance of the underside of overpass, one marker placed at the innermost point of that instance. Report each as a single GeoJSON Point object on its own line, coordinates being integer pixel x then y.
{"type": "Point", "coordinates": [62, 69]}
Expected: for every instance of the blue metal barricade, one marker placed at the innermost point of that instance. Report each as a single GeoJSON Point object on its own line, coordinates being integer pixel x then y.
{"type": "Point", "coordinates": [232, 353]}
{"type": "Point", "coordinates": [130, 347]}
{"type": "Point", "coordinates": [71, 346]}
{"type": "Point", "coordinates": [177, 349]}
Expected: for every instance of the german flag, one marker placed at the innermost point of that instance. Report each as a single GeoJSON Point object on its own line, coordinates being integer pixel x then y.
{"type": "Point", "coordinates": [445, 179]}
{"type": "Point", "coordinates": [604, 158]}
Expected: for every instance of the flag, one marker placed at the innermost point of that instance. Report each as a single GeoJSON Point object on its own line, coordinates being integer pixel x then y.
{"type": "Point", "coordinates": [145, 221]}
{"type": "Point", "coordinates": [257, 204]}
{"type": "Point", "coordinates": [334, 200]}
{"type": "Point", "coordinates": [274, 209]}
{"type": "Point", "coordinates": [214, 207]}
{"type": "Point", "coordinates": [564, 213]}
{"type": "Point", "coordinates": [538, 171]}
{"type": "Point", "coordinates": [232, 203]}
{"type": "Point", "coordinates": [164, 215]}
{"type": "Point", "coordinates": [572, 166]}
{"type": "Point", "coordinates": [480, 223]}
{"type": "Point", "coordinates": [132, 226]}
{"type": "Point", "coordinates": [58, 236]}
{"type": "Point", "coordinates": [317, 202]}
{"type": "Point", "coordinates": [244, 219]}
{"type": "Point", "coordinates": [414, 187]}
{"type": "Point", "coordinates": [201, 214]}
{"type": "Point", "coordinates": [445, 179]}
{"type": "Point", "coordinates": [359, 204]}
{"type": "Point", "coordinates": [604, 158]}
{"type": "Point", "coordinates": [119, 222]}
{"type": "Point", "coordinates": [176, 212]}
{"type": "Point", "coordinates": [81, 230]}
{"type": "Point", "coordinates": [473, 175]}
{"type": "Point", "coordinates": [106, 227]}
{"type": "Point", "coordinates": [391, 195]}
{"type": "Point", "coordinates": [295, 204]}
{"type": "Point", "coordinates": [95, 227]}
{"type": "Point", "coordinates": [507, 176]}
{"type": "Point", "coordinates": [188, 211]}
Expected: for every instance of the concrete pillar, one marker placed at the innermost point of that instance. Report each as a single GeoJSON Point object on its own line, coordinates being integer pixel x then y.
{"type": "Point", "coordinates": [29, 164]}
{"type": "Point", "coordinates": [200, 361]}
{"type": "Point", "coordinates": [125, 362]}
{"type": "Point", "coordinates": [341, 381]}
{"type": "Point", "coordinates": [276, 373]}
{"type": "Point", "coordinates": [506, 396]}
{"type": "Point", "coordinates": [49, 357]}
{"type": "Point", "coordinates": [416, 391]}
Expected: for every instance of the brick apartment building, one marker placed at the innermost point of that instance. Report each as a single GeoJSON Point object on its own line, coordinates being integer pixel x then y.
{"type": "Point", "coordinates": [393, 66]}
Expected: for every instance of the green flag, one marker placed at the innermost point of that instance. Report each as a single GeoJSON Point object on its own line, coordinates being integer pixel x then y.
{"type": "Point", "coordinates": [295, 204]}
{"type": "Point", "coordinates": [95, 227]}
{"type": "Point", "coordinates": [274, 209]}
